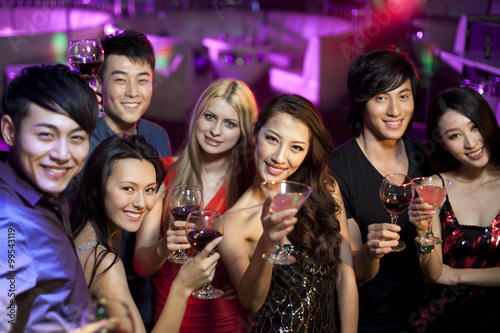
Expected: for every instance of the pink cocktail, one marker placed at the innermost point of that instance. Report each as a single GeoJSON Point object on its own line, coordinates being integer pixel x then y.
{"type": "Point", "coordinates": [432, 190]}
{"type": "Point", "coordinates": [431, 194]}
{"type": "Point", "coordinates": [285, 195]}
{"type": "Point", "coordinates": [287, 201]}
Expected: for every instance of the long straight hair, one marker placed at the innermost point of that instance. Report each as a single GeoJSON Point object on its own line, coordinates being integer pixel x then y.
{"type": "Point", "coordinates": [188, 167]}
{"type": "Point", "coordinates": [472, 105]}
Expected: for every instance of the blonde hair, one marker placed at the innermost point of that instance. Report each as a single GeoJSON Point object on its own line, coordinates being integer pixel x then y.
{"type": "Point", "coordinates": [189, 163]}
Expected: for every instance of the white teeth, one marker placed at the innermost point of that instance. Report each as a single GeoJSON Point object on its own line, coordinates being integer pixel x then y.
{"type": "Point", "coordinates": [132, 215]}
{"type": "Point", "coordinates": [56, 170]}
{"type": "Point", "coordinates": [476, 153]}
{"type": "Point", "coordinates": [275, 169]}
{"type": "Point", "coordinates": [393, 123]}
{"type": "Point", "coordinates": [130, 105]}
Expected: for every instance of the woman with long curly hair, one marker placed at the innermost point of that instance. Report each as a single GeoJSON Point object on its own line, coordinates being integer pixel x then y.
{"type": "Point", "coordinates": [293, 144]}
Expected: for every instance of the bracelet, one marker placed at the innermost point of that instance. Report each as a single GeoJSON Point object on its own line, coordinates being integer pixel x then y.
{"type": "Point", "coordinates": [424, 249]}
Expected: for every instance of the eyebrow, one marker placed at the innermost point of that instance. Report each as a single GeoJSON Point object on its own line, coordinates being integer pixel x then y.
{"type": "Point", "coordinates": [125, 182]}
{"type": "Point", "coordinates": [230, 119]}
{"type": "Point", "coordinates": [120, 72]}
{"type": "Point", "coordinates": [55, 128]}
{"type": "Point", "coordinates": [458, 129]}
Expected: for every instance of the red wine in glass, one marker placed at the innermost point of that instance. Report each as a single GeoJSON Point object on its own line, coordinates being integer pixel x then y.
{"type": "Point", "coordinates": [396, 204]}
{"type": "Point", "coordinates": [86, 57]}
{"type": "Point", "coordinates": [85, 67]}
{"type": "Point", "coordinates": [396, 193]}
{"type": "Point", "coordinates": [181, 213]}
{"type": "Point", "coordinates": [200, 238]}
{"type": "Point", "coordinates": [202, 227]}
{"type": "Point", "coordinates": [182, 200]}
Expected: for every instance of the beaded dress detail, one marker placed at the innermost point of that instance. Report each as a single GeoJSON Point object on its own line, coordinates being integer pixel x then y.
{"type": "Point", "coordinates": [461, 308]}
{"type": "Point", "coordinates": [301, 298]}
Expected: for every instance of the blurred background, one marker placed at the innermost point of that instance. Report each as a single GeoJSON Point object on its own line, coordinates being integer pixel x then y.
{"type": "Point", "coordinates": [275, 46]}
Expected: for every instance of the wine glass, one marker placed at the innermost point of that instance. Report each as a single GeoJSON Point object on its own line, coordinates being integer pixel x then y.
{"type": "Point", "coordinates": [396, 193]}
{"type": "Point", "coordinates": [432, 190]}
{"type": "Point", "coordinates": [202, 227]}
{"type": "Point", "coordinates": [182, 200]}
{"type": "Point", "coordinates": [286, 195]}
{"type": "Point", "coordinates": [86, 56]}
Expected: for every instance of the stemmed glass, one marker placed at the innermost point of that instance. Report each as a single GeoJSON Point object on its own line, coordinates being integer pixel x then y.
{"type": "Point", "coordinates": [432, 190]}
{"type": "Point", "coordinates": [286, 195]}
{"type": "Point", "coordinates": [396, 193]}
{"type": "Point", "coordinates": [182, 200]}
{"type": "Point", "coordinates": [86, 56]}
{"type": "Point", "coordinates": [202, 227]}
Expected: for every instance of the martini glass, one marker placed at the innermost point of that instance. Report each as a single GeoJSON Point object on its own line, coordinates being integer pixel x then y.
{"type": "Point", "coordinates": [202, 227]}
{"type": "Point", "coordinates": [86, 57]}
{"type": "Point", "coordinates": [182, 200]}
{"type": "Point", "coordinates": [432, 190]}
{"type": "Point", "coordinates": [396, 193]}
{"type": "Point", "coordinates": [286, 195]}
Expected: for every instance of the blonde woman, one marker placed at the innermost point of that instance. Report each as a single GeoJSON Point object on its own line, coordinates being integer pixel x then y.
{"type": "Point", "coordinates": [215, 157]}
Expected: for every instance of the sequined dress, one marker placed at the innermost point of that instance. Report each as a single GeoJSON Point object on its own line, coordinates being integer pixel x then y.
{"type": "Point", "coordinates": [301, 299]}
{"type": "Point", "coordinates": [462, 308]}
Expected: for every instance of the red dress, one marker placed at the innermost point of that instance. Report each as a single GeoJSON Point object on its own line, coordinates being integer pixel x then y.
{"type": "Point", "coordinates": [217, 315]}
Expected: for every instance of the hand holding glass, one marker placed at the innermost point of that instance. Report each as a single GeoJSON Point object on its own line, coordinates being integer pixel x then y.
{"type": "Point", "coordinates": [432, 190]}
{"type": "Point", "coordinates": [202, 227]}
{"type": "Point", "coordinates": [86, 56]}
{"type": "Point", "coordinates": [396, 193]}
{"type": "Point", "coordinates": [182, 200]}
{"type": "Point", "coordinates": [285, 195]}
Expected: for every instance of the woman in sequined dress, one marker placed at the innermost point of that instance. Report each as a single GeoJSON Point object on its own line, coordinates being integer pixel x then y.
{"type": "Point", "coordinates": [292, 143]}
{"type": "Point", "coordinates": [463, 138]}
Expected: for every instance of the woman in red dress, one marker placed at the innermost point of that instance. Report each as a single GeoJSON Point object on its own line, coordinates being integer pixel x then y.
{"type": "Point", "coordinates": [215, 157]}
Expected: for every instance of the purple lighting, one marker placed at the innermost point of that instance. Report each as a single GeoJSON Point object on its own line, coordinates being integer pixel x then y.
{"type": "Point", "coordinates": [354, 12]}
{"type": "Point", "coordinates": [420, 34]}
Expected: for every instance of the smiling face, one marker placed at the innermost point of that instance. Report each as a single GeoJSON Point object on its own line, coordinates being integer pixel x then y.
{"type": "Point", "coordinates": [218, 129]}
{"type": "Point", "coordinates": [387, 115]}
{"type": "Point", "coordinates": [126, 89]}
{"type": "Point", "coordinates": [49, 148]}
{"type": "Point", "coordinates": [461, 137]}
{"type": "Point", "coordinates": [282, 145]}
{"type": "Point", "coordinates": [130, 193]}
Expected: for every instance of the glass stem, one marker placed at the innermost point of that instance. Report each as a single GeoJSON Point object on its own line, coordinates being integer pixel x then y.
{"type": "Point", "coordinates": [394, 218]}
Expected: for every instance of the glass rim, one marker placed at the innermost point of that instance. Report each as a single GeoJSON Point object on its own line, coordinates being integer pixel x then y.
{"type": "Point", "coordinates": [398, 183]}
{"type": "Point", "coordinates": [446, 180]}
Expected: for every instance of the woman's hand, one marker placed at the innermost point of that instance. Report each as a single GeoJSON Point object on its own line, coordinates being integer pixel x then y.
{"type": "Point", "coordinates": [175, 238]}
{"type": "Point", "coordinates": [199, 270]}
{"type": "Point", "coordinates": [420, 215]}
{"type": "Point", "coordinates": [277, 225]}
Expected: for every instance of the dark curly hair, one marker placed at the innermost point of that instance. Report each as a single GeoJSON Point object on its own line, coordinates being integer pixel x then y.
{"type": "Point", "coordinates": [89, 203]}
{"type": "Point", "coordinates": [317, 232]}
{"type": "Point", "coordinates": [374, 73]}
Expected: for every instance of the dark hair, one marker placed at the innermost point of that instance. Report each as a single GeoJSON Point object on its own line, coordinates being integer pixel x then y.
{"type": "Point", "coordinates": [132, 44]}
{"type": "Point", "coordinates": [472, 105]}
{"type": "Point", "coordinates": [89, 203]}
{"type": "Point", "coordinates": [374, 73]}
{"type": "Point", "coordinates": [55, 88]}
{"type": "Point", "coordinates": [317, 231]}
